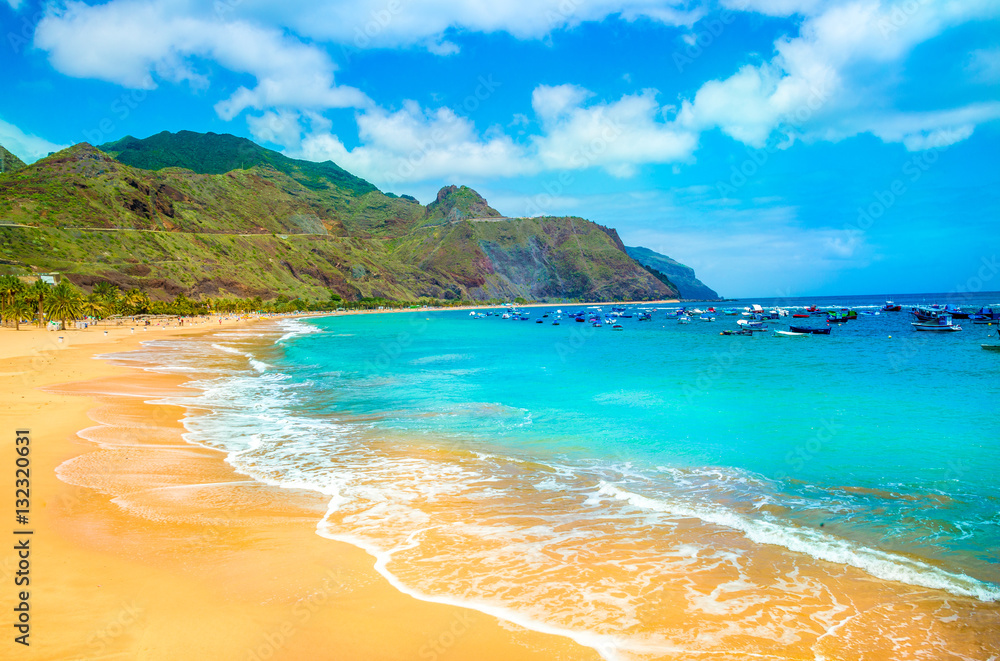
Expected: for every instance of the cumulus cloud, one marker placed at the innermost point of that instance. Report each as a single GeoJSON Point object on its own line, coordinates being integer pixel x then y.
{"type": "Point", "coordinates": [828, 83]}
{"type": "Point", "coordinates": [392, 23]}
{"type": "Point", "coordinates": [29, 148]}
{"type": "Point", "coordinates": [135, 44]}
{"type": "Point", "coordinates": [618, 136]}
{"type": "Point", "coordinates": [414, 144]}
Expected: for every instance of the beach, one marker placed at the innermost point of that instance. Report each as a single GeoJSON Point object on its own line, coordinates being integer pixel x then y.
{"type": "Point", "coordinates": [432, 486]}
{"type": "Point", "coordinates": [219, 566]}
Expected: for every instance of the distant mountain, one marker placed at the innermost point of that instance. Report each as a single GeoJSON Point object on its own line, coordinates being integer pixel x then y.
{"type": "Point", "coordinates": [186, 223]}
{"type": "Point", "coordinates": [681, 276]}
{"type": "Point", "coordinates": [212, 153]}
{"type": "Point", "coordinates": [9, 162]}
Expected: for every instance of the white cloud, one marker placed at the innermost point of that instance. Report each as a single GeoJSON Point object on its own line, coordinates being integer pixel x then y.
{"type": "Point", "coordinates": [618, 136]}
{"type": "Point", "coordinates": [392, 23]}
{"type": "Point", "coordinates": [279, 128]}
{"type": "Point", "coordinates": [413, 144]}
{"type": "Point", "coordinates": [134, 44]}
{"type": "Point", "coordinates": [29, 148]}
{"type": "Point", "coordinates": [830, 82]}
{"type": "Point", "coordinates": [14, 4]}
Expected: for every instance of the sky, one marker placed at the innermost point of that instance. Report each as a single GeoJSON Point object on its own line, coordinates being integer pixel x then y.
{"type": "Point", "coordinates": [778, 147]}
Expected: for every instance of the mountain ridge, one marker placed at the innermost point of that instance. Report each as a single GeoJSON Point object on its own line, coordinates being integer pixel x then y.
{"type": "Point", "coordinates": [682, 276]}
{"type": "Point", "coordinates": [278, 226]}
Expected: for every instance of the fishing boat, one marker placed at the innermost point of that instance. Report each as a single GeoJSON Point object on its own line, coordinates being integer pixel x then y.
{"type": "Point", "coordinates": [617, 327]}
{"type": "Point", "coordinates": [539, 321]}
{"type": "Point", "coordinates": [891, 307]}
{"type": "Point", "coordinates": [925, 313]}
{"type": "Point", "coordinates": [779, 333]}
{"type": "Point", "coordinates": [645, 316]}
{"type": "Point", "coordinates": [986, 316]}
{"type": "Point", "coordinates": [991, 347]}
{"type": "Point", "coordinates": [800, 316]}
{"type": "Point", "coordinates": [955, 312]}
{"type": "Point", "coordinates": [683, 319]}
{"type": "Point", "coordinates": [742, 331]}
{"type": "Point", "coordinates": [811, 331]}
{"type": "Point", "coordinates": [706, 318]}
{"type": "Point", "coordinates": [943, 324]}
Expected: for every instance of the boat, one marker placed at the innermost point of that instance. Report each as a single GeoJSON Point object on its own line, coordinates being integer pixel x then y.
{"type": "Point", "coordinates": [807, 329]}
{"type": "Point", "coordinates": [645, 316]}
{"type": "Point", "coordinates": [925, 313]}
{"type": "Point", "coordinates": [617, 327]}
{"type": "Point", "coordinates": [943, 324]}
{"type": "Point", "coordinates": [986, 316]}
{"type": "Point", "coordinates": [555, 322]}
{"type": "Point", "coordinates": [539, 321]}
{"type": "Point", "coordinates": [778, 333]}
{"type": "Point", "coordinates": [742, 331]}
{"type": "Point", "coordinates": [683, 319]}
{"type": "Point", "coordinates": [991, 347]}
{"type": "Point", "coordinates": [706, 318]}
{"type": "Point", "coordinates": [955, 312]}
{"type": "Point", "coordinates": [837, 317]}
{"type": "Point", "coordinates": [891, 307]}
{"type": "Point", "coordinates": [800, 316]}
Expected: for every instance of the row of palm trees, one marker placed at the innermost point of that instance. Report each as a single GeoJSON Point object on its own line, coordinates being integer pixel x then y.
{"type": "Point", "coordinates": [40, 301]}
{"type": "Point", "coordinates": [19, 301]}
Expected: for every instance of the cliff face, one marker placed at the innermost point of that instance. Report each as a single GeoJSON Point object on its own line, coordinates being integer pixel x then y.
{"type": "Point", "coordinates": [681, 276]}
{"type": "Point", "coordinates": [284, 226]}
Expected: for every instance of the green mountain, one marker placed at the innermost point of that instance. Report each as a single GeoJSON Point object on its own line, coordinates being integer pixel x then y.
{"type": "Point", "coordinates": [8, 161]}
{"type": "Point", "coordinates": [681, 276]}
{"type": "Point", "coordinates": [281, 226]}
{"type": "Point", "coordinates": [211, 153]}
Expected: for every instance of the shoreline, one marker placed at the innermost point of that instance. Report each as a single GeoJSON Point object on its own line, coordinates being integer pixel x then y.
{"type": "Point", "coordinates": [257, 584]}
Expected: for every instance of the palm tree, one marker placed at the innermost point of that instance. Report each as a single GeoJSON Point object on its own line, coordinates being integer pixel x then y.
{"type": "Point", "coordinates": [137, 301]}
{"type": "Point", "coordinates": [64, 302]}
{"type": "Point", "coordinates": [109, 291]}
{"type": "Point", "coordinates": [18, 309]}
{"type": "Point", "coordinates": [10, 287]}
{"type": "Point", "coordinates": [95, 306]}
{"type": "Point", "coordinates": [37, 293]}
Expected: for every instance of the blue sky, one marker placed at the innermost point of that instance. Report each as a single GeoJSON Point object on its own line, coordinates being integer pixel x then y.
{"type": "Point", "coordinates": [779, 147]}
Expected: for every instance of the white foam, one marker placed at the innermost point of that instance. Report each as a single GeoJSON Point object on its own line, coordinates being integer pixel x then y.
{"type": "Point", "coordinates": [822, 546]}
{"type": "Point", "coordinates": [258, 365]}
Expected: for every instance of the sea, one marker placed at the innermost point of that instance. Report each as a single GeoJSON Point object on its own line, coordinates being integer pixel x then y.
{"type": "Point", "coordinates": [658, 491]}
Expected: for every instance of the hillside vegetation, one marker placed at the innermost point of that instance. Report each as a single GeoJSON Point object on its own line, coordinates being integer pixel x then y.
{"type": "Point", "coordinates": [166, 216]}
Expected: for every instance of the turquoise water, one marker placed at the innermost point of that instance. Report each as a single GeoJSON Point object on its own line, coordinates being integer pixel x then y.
{"type": "Point", "coordinates": [914, 414]}
{"type": "Point", "coordinates": [524, 450]}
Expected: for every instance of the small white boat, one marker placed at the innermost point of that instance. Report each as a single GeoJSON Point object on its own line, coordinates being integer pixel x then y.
{"type": "Point", "coordinates": [706, 318]}
{"type": "Point", "coordinates": [942, 324]}
{"type": "Point", "coordinates": [683, 319]}
{"type": "Point", "coordinates": [991, 347]}
{"type": "Point", "coordinates": [778, 333]}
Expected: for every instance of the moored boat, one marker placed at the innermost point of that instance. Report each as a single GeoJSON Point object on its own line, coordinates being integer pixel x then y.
{"type": "Point", "coordinates": [811, 331]}
{"type": "Point", "coordinates": [943, 324]}
{"type": "Point", "coordinates": [780, 333]}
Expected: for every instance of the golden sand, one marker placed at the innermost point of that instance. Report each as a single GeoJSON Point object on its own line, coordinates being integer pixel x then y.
{"type": "Point", "coordinates": [204, 564]}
